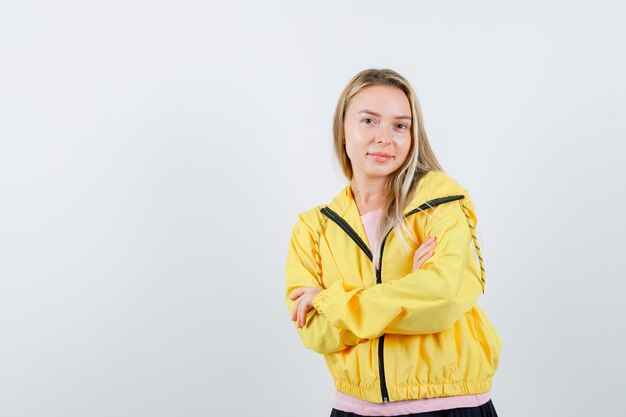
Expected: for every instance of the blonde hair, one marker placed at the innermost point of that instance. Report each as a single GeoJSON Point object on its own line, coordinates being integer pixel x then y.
{"type": "Point", "coordinates": [420, 159]}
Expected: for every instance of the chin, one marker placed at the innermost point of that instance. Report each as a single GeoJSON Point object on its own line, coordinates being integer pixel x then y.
{"type": "Point", "coordinates": [378, 174]}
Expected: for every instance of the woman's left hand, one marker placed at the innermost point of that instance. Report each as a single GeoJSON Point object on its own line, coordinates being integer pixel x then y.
{"type": "Point", "coordinates": [304, 302]}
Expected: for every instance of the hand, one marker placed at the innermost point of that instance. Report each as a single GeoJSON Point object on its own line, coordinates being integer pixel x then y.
{"type": "Point", "coordinates": [304, 302]}
{"type": "Point", "coordinates": [424, 252]}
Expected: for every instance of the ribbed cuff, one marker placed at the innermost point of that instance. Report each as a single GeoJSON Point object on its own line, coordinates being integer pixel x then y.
{"type": "Point", "coordinates": [318, 301]}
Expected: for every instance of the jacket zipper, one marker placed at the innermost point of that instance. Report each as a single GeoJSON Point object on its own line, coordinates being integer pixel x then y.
{"type": "Point", "coordinates": [381, 339]}
{"type": "Point", "coordinates": [345, 226]}
{"type": "Point", "coordinates": [348, 229]}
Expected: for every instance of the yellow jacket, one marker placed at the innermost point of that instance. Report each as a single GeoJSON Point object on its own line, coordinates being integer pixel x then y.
{"type": "Point", "coordinates": [392, 334]}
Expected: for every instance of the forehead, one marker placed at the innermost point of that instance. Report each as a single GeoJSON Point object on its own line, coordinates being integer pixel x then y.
{"type": "Point", "coordinates": [382, 99]}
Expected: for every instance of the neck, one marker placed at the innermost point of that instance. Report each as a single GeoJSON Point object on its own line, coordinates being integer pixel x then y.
{"type": "Point", "coordinates": [369, 193]}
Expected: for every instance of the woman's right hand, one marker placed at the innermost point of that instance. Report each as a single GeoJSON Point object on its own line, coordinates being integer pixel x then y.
{"type": "Point", "coordinates": [424, 252]}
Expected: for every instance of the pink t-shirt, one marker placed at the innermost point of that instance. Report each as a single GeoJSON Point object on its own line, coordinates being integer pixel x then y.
{"type": "Point", "coordinates": [365, 408]}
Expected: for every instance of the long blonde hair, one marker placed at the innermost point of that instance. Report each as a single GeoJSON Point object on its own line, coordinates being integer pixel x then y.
{"type": "Point", "coordinates": [420, 159]}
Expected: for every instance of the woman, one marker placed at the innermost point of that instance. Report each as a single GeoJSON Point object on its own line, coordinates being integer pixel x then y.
{"type": "Point", "coordinates": [394, 315]}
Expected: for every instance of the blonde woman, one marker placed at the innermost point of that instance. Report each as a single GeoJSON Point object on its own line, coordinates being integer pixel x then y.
{"type": "Point", "coordinates": [383, 280]}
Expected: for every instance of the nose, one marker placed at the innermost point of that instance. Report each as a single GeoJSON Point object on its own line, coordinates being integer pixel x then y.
{"type": "Point", "coordinates": [384, 133]}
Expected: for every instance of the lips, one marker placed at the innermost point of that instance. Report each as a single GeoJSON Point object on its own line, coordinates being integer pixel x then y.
{"type": "Point", "coordinates": [380, 156]}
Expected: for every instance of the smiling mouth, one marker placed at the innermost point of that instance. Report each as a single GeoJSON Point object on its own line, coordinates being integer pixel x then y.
{"type": "Point", "coordinates": [380, 157]}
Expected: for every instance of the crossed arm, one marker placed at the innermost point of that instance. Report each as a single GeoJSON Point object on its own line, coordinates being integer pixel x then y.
{"type": "Point", "coordinates": [428, 300]}
{"type": "Point", "coordinates": [304, 296]}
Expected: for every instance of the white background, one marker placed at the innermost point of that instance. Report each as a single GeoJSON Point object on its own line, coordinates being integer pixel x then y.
{"type": "Point", "coordinates": [154, 156]}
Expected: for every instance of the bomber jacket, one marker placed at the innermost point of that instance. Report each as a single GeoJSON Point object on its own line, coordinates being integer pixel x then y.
{"type": "Point", "coordinates": [390, 334]}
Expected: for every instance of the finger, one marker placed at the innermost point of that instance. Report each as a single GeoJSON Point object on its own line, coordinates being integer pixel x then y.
{"type": "Point", "coordinates": [296, 293]}
{"type": "Point", "coordinates": [297, 310]}
{"type": "Point", "coordinates": [421, 258]}
{"type": "Point", "coordinates": [305, 310]}
{"type": "Point", "coordinates": [428, 243]}
{"type": "Point", "coordinates": [425, 256]}
{"type": "Point", "coordinates": [294, 312]}
{"type": "Point", "coordinates": [419, 253]}
{"type": "Point", "coordinates": [421, 261]}
{"type": "Point", "coordinates": [301, 315]}
{"type": "Point", "coordinates": [305, 314]}
{"type": "Point", "coordinates": [425, 246]}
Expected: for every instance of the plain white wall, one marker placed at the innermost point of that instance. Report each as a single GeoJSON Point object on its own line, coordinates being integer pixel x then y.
{"type": "Point", "coordinates": [154, 156]}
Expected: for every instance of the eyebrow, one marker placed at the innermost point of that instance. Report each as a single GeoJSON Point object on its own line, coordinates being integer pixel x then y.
{"type": "Point", "coordinates": [378, 115]}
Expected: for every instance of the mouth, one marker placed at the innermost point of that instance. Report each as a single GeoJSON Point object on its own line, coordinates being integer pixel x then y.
{"type": "Point", "coordinates": [380, 156]}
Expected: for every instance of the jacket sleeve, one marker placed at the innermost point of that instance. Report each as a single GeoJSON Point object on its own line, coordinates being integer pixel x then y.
{"type": "Point", "coordinates": [303, 269]}
{"type": "Point", "coordinates": [427, 300]}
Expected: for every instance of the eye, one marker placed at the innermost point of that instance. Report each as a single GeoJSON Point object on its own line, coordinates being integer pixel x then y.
{"type": "Point", "coordinates": [404, 126]}
{"type": "Point", "coordinates": [366, 120]}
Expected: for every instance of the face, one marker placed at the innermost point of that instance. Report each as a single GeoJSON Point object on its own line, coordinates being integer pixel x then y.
{"type": "Point", "coordinates": [377, 127]}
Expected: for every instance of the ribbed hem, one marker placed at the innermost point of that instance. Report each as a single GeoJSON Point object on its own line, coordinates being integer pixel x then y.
{"type": "Point", "coordinates": [414, 392]}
